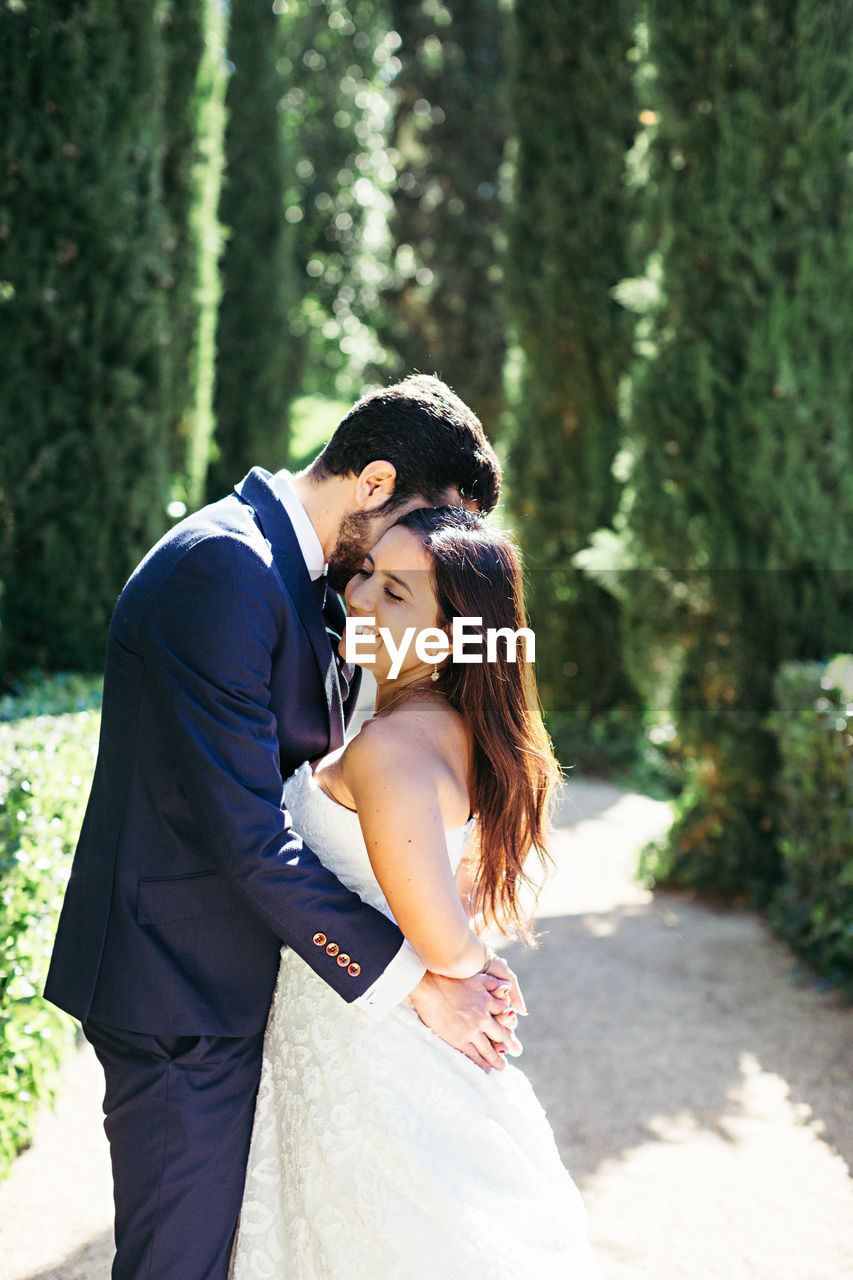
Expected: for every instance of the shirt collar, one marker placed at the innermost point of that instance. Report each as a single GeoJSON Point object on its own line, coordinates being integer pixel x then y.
{"type": "Point", "coordinates": [306, 534]}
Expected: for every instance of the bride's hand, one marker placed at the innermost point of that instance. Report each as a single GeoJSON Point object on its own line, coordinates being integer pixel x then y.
{"type": "Point", "coordinates": [499, 968]}
{"type": "Point", "coordinates": [471, 1014]}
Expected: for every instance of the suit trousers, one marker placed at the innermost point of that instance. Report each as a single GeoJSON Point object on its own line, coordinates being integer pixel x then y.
{"type": "Point", "coordinates": [178, 1116]}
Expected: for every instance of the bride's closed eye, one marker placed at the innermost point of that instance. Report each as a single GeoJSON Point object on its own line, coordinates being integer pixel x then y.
{"type": "Point", "coordinates": [368, 573]}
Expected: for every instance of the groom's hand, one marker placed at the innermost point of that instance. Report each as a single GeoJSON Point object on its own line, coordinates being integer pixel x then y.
{"type": "Point", "coordinates": [475, 1015]}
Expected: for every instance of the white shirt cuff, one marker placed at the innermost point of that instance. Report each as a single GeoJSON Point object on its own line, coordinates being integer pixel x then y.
{"type": "Point", "coordinates": [402, 976]}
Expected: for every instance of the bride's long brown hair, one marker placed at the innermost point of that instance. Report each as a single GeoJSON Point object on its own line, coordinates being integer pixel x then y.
{"type": "Point", "coordinates": [476, 574]}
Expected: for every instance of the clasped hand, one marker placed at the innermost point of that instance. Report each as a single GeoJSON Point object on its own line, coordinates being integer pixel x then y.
{"type": "Point", "coordinates": [476, 1015]}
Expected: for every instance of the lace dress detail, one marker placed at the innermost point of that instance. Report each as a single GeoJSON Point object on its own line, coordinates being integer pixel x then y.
{"type": "Point", "coordinates": [378, 1150]}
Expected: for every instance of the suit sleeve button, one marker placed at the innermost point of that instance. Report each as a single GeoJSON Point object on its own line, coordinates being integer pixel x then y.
{"type": "Point", "coordinates": [332, 949]}
{"type": "Point", "coordinates": [319, 939]}
{"type": "Point", "coordinates": [354, 970]}
{"type": "Point", "coordinates": [343, 959]}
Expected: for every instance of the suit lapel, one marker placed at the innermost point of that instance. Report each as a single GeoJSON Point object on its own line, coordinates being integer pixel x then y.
{"type": "Point", "coordinates": [257, 491]}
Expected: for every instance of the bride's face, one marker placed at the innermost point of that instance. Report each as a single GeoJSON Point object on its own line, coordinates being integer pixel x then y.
{"type": "Point", "coordinates": [394, 587]}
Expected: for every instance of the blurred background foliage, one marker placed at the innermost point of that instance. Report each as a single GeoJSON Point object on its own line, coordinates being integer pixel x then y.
{"type": "Point", "coordinates": [622, 232]}
{"type": "Point", "coordinates": [570, 230]}
{"type": "Point", "coordinates": [48, 742]}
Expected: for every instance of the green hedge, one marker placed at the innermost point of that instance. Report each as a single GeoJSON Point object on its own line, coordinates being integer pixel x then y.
{"type": "Point", "coordinates": [808, 819]}
{"type": "Point", "coordinates": [48, 743]}
{"type": "Point", "coordinates": [813, 723]}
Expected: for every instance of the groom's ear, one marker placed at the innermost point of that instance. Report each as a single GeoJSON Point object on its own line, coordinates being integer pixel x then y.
{"type": "Point", "coordinates": [374, 485]}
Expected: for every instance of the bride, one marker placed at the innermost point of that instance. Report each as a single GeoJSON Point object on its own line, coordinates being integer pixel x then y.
{"type": "Point", "coordinates": [379, 1150]}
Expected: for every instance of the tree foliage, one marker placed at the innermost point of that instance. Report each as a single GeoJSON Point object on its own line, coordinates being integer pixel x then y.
{"type": "Point", "coordinates": [84, 318]}
{"type": "Point", "coordinates": [575, 113]}
{"type": "Point", "coordinates": [739, 506]}
{"type": "Point", "coordinates": [337, 116]}
{"type": "Point", "coordinates": [194, 117]}
{"type": "Point", "coordinates": [258, 358]}
{"type": "Point", "coordinates": [304, 204]}
{"type": "Point", "coordinates": [451, 124]}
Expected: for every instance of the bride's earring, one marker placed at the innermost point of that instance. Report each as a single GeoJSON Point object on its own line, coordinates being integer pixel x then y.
{"type": "Point", "coordinates": [434, 675]}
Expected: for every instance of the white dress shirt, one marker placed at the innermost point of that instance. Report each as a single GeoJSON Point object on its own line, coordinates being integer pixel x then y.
{"type": "Point", "coordinates": [406, 969]}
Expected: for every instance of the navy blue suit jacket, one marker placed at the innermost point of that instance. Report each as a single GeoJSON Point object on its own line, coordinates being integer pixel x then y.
{"type": "Point", "coordinates": [219, 681]}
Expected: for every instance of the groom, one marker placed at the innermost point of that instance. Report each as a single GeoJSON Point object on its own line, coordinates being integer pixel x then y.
{"type": "Point", "coordinates": [220, 680]}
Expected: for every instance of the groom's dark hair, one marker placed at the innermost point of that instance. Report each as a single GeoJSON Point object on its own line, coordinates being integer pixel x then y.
{"type": "Point", "coordinates": [429, 435]}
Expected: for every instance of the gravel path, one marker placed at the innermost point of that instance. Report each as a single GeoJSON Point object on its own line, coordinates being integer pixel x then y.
{"type": "Point", "coordinates": [702, 1099]}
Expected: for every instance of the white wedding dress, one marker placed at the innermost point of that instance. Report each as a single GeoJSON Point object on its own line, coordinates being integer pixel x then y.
{"type": "Point", "coordinates": [379, 1152]}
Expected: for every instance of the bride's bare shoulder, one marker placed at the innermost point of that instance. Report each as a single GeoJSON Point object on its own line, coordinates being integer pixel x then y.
{"type": "Point", "coordinates": [425, 745]}
{"type": "Point", "coordinates": [419, 729]}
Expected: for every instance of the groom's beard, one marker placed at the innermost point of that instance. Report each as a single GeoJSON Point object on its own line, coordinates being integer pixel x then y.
{"type": "Point", "coordinates": [356, 536]}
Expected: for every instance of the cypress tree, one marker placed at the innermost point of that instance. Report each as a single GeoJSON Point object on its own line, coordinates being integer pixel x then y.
{"type": "Point", "coordinates": [195, 121]}
{"type": "Point", "coordinates": [451, 124]}
{"type": "Point", "coordinates": [86, 447]}
{"type": "Point", "coordinates": [257, 357]}
{"type": "Point", "coordinates": [306, 167]}
{"type": "Point", "coordinates": [740, 505]}
{"type": "Point", "coordinates": [336, 113]}
{"type": "Point", "coordinates": [575, 115]}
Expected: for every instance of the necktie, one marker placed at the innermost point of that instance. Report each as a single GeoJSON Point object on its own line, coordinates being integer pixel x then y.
{"type": "Point", "coordinates": [334, 619]}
